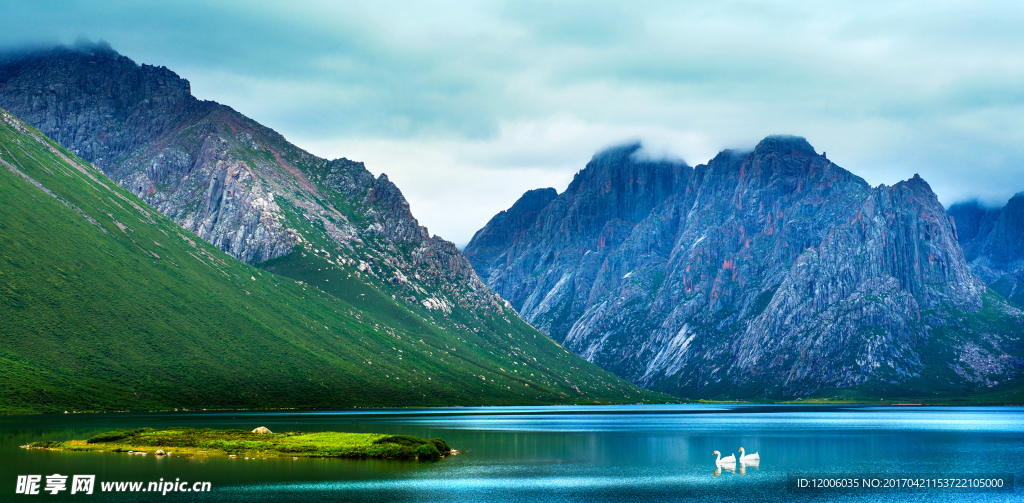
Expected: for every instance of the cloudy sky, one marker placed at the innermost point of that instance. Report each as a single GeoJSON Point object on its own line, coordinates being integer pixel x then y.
{"type": "Point", "coordinates": [465, 105]}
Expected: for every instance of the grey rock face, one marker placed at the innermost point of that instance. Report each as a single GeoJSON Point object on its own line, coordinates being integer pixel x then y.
{"type": "Point", "coordinates": [99, 102]}
{"type": "Point", "coordinates": [993, 243]}
{"type": "Point", "coordinates": [226, 178]}
{"type": "Point", "coordinates": [771, 272]}
{"type": "Point", "coordinates": [144, 129]}
{"type": "Point", "coordinates": [507, 227]}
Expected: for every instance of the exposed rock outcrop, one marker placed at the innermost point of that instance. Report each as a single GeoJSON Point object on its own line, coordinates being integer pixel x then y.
{"type": "Point", "coordinates": [771, 272]}
{"type": "Point", "coordinates": [226, 178]}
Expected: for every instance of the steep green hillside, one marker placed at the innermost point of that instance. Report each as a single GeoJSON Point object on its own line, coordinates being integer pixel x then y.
{"type": "Point", "coordinates": [109, 305]}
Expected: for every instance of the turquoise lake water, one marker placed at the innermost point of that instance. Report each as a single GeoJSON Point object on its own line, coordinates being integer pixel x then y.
{"type": "Point", "coordinates": [556, 454]}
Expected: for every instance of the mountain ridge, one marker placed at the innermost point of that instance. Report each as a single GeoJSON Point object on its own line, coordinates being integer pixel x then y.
{"type": "Point", "coordinates": [328, 224]}
{"type": "Point", "coordinates": [237, 184]}
{"type": "Point", "coordinates": [750, 276]}
{"type": "Point", "coordinates": [109, 305]}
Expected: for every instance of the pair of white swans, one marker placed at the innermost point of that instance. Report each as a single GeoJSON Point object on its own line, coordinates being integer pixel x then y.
{"type": "Point", "coordinates": [731, 459]}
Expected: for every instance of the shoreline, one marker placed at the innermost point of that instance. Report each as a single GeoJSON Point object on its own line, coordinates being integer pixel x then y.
{"type": "Point", "coordinates": [809, 401]}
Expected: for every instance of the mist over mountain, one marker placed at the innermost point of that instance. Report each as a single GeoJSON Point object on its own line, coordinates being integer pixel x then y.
{"type": "Point", "coordinates": [769, 273]}
{"type": "Point", "coordinates": [993, 243]}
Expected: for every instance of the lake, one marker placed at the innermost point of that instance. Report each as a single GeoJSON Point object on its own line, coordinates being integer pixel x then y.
{"type": "Point", "coordinates": [556, 454]}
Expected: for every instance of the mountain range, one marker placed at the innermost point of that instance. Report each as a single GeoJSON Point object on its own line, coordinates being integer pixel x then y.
{"type": "Point", "coordinates": [317, 287]}
{"type": "Point", "coordinates": [769, 274]}
{"type": "Point", "coordinates": [765, 274]}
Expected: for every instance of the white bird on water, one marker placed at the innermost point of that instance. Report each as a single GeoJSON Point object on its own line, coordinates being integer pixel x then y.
{"type": "Point", "coordinates": [730, 459]}
{"type": "Point", "coordinates": [749, 458]}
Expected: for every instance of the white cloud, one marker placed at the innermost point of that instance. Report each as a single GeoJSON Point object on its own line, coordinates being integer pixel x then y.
{"type": "Point", "coordinates": [455, 186]}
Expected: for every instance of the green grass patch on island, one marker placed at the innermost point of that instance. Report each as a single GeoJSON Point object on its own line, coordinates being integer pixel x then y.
{"type": "Point", "coordinates": [207, 442]}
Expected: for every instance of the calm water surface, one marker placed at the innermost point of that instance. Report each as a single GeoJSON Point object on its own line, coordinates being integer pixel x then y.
{"type": "Point", "coordinates": [553, 454]}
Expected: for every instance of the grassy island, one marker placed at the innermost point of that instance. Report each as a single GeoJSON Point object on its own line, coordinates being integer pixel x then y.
{"type": "Point", "coordinates": [233, 443]}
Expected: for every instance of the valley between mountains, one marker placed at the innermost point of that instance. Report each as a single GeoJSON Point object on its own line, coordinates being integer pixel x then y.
{"type": "Point", "coordinates": [158, 251]}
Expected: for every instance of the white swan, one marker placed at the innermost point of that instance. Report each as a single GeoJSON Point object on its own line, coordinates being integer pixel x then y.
{"type": "Point", "coordinates": [730, 459]}
{"type": "Point", "coordinates": [749, 458]}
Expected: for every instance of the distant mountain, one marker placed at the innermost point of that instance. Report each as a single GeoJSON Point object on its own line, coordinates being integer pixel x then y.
{"type": "Point", "coordinates": [993, 243]}
{"type": "Point", "coordinates": [772, 273]}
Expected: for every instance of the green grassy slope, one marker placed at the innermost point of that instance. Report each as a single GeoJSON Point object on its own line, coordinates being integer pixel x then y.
{"type": "Point", "coordinates": [108, 305]}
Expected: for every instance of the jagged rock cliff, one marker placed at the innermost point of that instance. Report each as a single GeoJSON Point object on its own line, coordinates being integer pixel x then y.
{"type": "Point", "coordinates": [228, 179]}
{"type": "Point", "coordinates": [993, 243]}
{"type": "Point", "coordinates": [507, 227]}
{"type": "Point", "coordinates": [765, 273]}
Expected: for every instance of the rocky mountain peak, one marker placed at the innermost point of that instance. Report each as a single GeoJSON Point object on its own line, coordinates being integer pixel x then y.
{"type": "Point", "coordinates": [533, 200]}
{"type": "Point", "coordinates": [784, 145]}
{"type": "Point", "coordinates": [96, 101]}
{"type": "Point", "coordinates": [997, 234]}
{"type": "Point", "coordinates": [507, 227]}
{"type": "Point", "coordinates": [87, 46]}
{"type": "Point", "coordinates": [618, 185]}
{"type": "Point", "coordinates": [1006, 240]}
{"type": "Point", "coordinates": [1016, 203]}
{"type": "Point", "coordinates": [395, 219]}
{"type": "Point", "coordinates": [233, 182]}
{"type": "Point", "coordinates": [752, 272]}
{"type": "Point", "coordinates": [917, 183]}
{"type": "Point", "coordinates": [622, 163]}
{"type": "Point", "coordinates": [616, 154]}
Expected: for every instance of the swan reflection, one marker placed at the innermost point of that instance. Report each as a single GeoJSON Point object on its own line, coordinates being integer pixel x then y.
{"type": "Point", "coordinates": [753, 464]}
{"type": "Point", "coordinates": [732, 467]}
{"type": "Point", "coordinates": [718, 469]}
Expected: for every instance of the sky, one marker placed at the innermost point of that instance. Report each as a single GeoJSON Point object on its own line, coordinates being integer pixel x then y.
{"type": "Point", "coordinates": [466, 105]}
